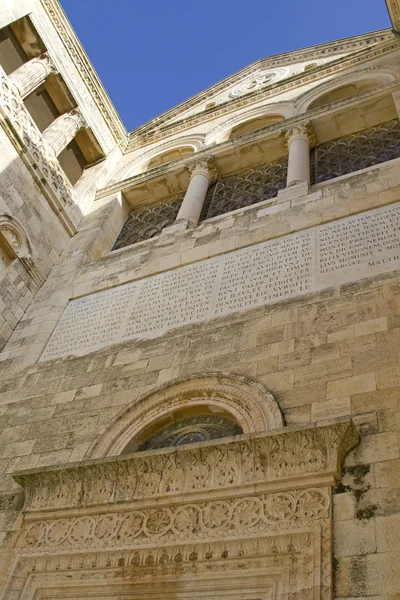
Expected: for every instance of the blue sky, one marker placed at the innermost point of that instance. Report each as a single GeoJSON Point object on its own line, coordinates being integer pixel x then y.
{"type": "Point", "coordinates": [153, 55]}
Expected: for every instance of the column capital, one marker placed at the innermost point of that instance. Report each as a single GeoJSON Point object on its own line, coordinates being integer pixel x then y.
{"type": "Point", "coordinates": [203, 166]}
{"type": "Point", "coordinates": [302, 131]}
{"type": "Point", "coordinates": [78, 117]}
{"type": "Point", "coordinates": [46, 60]}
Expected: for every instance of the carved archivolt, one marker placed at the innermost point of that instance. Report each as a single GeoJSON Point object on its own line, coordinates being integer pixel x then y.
{"type": "Point", "coordinates": [18, 243]}
{"type": "Point", "coordinates": [248, 402]}
{"type": "Point", "coordinates": [139, 164]}
{"type": "Point", "coordinates": [382, 76]}
{"type": "Point", "coordinates": [221, 132]}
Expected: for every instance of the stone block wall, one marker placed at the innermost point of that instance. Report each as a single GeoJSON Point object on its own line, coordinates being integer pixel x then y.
{"type": "Point", "coordinates": [323, 355]}
{"type": "Point", "coordinates": [21, 198]}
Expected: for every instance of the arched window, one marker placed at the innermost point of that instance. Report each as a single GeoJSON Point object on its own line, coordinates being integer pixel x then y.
{"type": "Point", "coordinates": [201, 408]}
{"type": "Point", "coordinates": [185, 428]}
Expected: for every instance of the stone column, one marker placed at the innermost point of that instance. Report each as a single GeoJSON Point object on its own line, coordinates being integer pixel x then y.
{"type": "Point", "coordinates": [29, 76]}
{"type": "Point", "coordinates": [201, 175]}
{"type": "Point", "coordinates": [61, 131]}
{"type": "Point", "coordinates": [299, 140]}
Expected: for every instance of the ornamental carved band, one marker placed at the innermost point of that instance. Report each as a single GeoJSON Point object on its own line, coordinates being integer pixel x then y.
{"type": "Point", "coordinates": [251, 460]}
{"type": "Point", "coordinates": [251, 513]}
{"type": "Point", "coordinates": [39, 159]}
{"type": "Point", "coordinates": [267, 513]}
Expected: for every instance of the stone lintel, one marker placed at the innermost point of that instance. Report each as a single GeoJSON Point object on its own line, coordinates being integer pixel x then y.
{"type": "Point", "coordinates": [282, 458]}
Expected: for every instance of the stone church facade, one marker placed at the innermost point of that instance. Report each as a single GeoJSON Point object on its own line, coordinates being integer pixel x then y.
{"type": "Point", "coordinates": [199, 330]}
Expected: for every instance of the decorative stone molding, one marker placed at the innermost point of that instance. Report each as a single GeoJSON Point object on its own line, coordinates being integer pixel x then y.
{"type": "Point", "coordinates": [85, 69]}
{"type": "Point", "coordinates": [393, 7]}
{"type": "Point", "coordinates": [20, 127]}
{"type": "Point", "coordinates": [259, 510]}
{"type": "Point", "coordinates": [140, 163]}
{"type": "Point", "coordinates": [284, 455]}
{"type": "Point", "coordinates": [17, 239]}
{"type": "Point", "coordinates": [369, 47]}
{"type": "Point", "coordinates": [250, 404]}
{"type": "Point", "coordinates": [221, 132]}
{"type": "Point", "coordinates": [387, 75]}
{"type": "Point", "coordinates": [32, 74]}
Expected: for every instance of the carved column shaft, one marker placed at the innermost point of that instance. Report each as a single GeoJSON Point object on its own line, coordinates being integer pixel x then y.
{"type": "Point", "coordinates": [63, 130]}
{"type": "Point", "coordinates": [299, 140]}
{"type": "Point", "coordinates": [201, 174]}
{"type": "Point", "coordinates": [32, 74]}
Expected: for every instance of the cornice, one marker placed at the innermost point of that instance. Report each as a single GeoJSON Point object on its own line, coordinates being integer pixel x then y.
{"type": "Point", "coordinates": [149, 133]}
{"type": "Point", "coordinates": [255, 136]}
{"type": "Point", "coordinates": [280, 451]}
{"type": "Point", "coordinates": [85, 68]}
{"type": "Point", "coordinates": [393, 7]}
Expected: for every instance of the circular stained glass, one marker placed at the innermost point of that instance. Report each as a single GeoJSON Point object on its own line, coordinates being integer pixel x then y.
{"type": "Point", "coordinates": [200, 428]}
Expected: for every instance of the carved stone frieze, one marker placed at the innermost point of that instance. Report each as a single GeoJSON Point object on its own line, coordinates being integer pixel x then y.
{"type": "Point", "coordinates": [230, 517]}
{"type": "Point", "coordinates": [193, 469]}
{"type": "Point", "coordinates": [252, 513]}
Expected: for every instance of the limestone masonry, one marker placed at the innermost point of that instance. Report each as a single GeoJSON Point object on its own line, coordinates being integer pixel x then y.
{"type": "Point", "coordinates": [199, 327]}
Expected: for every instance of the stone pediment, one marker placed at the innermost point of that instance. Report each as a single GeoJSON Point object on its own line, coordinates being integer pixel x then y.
{"type": "Point", "coordinates": [264, 79]}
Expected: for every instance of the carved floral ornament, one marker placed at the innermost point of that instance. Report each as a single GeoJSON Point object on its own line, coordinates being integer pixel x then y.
{"type": "Point", "coordinates": [266, 460]}
{"type": "Point", "coordinates": [204, 166]}
{"type": "Point", "coordinates": [257, 508]}
{"type": "Point", "coordinates": [302, 131]}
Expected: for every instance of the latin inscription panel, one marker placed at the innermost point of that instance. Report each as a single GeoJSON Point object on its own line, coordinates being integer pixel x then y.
{"type": "Point", "coordinates": [314, 259]}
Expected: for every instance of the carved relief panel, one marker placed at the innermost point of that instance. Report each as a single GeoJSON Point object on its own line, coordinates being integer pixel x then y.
{"type": "Point", "coordinates": [248, 517]}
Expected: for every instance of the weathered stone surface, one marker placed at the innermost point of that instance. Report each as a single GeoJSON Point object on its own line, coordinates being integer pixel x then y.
{"type": "Point", "coordinates": [278, 316]}
{"type": "Point", "coordinates": [258, 275]}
